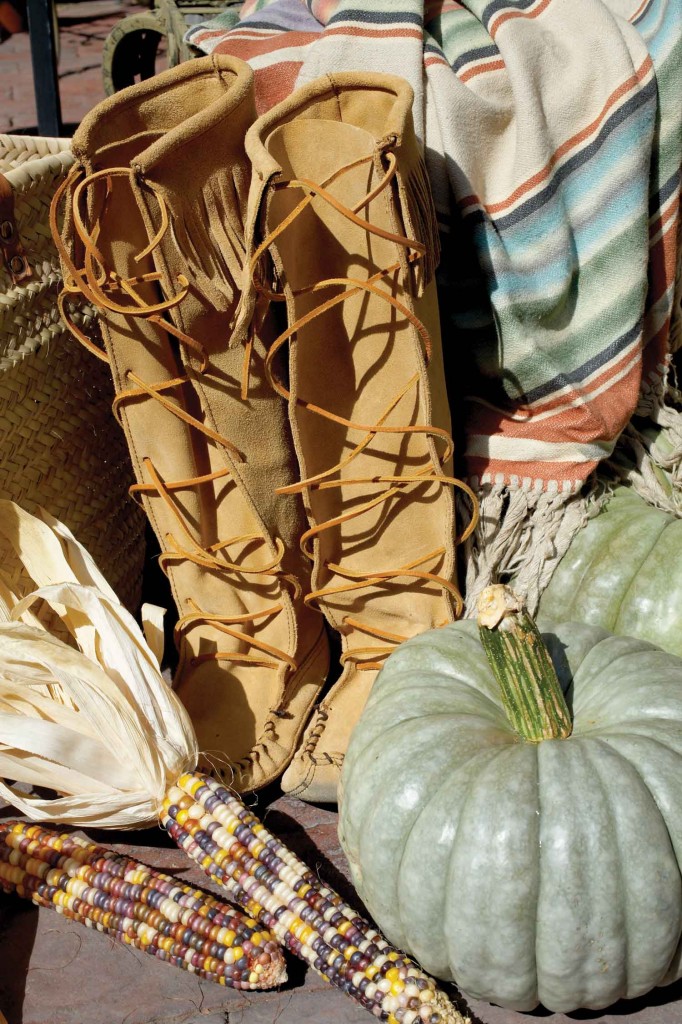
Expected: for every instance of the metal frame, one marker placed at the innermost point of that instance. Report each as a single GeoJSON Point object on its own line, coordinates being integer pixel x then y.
{"type": "Point", "coordinates": [130, 48]}
{"type": "Point", "coordinates": [42, 29]}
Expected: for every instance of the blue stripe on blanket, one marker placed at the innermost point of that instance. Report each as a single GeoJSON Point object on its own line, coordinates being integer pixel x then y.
{"type": "Point", "coordinates": [473, 55]}
{"type": "Point", "coordinates": [574, 163]}
{"type": "Point", "coordinates": [578, 376]}
{"type": "Point", "coordinates": [660, 198]}
{"type": "Point", "coordinates": [503, 5]}
{"type": "Point", "coordinates": [531, 259]}
{"type": "Point", "coordinates": [644, 13]}
{"type": "Point", "coordinates": [377, 17]}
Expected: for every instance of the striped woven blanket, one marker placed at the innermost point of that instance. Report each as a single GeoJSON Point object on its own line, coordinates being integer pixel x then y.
{"type": "Point", "coordinates": [553, 138]}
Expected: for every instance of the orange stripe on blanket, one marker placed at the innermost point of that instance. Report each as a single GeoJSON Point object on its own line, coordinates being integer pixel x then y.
{"type": "Point", "coordinates": [496, 25]}
{"type": "Point", "coordinates": [206, 33]}
{"type": "Point", "coordinates": [494, 65]}
{"type": "Point", "coordinates": [434, 8]}
{"type": "Point", "coordinates": [273, 84]}
{"type": "Point", "coordinates": [378, 33]}
{"type": "Point", "coordinates": [565, 148]}
{"type": "Point", "coordinates": [429, 62]}
{"type": "Point", "coordinates": [663, 258]}
{"type": "Point", "coordinates": [635, 14]}
{"type": "Point", "coordinates": [599, 418]}
{"type": "Point", "coordinates": [247, 48]}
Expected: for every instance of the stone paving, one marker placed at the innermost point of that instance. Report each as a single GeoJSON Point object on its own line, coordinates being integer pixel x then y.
{"type": "Point", "coordinates": [83, 27]}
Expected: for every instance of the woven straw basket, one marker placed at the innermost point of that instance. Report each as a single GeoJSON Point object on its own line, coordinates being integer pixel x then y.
{"type": "Point", "coordinates": [60, 447]}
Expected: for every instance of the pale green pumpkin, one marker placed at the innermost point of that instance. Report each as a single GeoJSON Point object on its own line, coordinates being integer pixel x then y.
{"type": "Point", "coordinates": [623, 571]}
{"type": "Point", "coordinates": [529, 872]}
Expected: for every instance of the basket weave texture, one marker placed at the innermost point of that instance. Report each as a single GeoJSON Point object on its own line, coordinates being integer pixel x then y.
{"type": "Point", "coordinates": [60, 447]}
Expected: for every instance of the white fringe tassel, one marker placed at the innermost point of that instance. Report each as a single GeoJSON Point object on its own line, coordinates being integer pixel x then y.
{"type": "Point", "coordinates": [522, 533]}
{"type": "Point", "coordinates": [520, 538]}
{"type": "Point", "coordinates": [648, 456]}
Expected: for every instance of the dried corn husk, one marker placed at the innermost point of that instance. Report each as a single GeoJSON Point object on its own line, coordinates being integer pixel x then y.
{"type": "Point", "coordinates": [95, 721]}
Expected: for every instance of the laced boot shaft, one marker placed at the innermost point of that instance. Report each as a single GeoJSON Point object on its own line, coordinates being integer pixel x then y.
{"type": "Point", "coordinates": [342, 231]}
{"type": "Point", "coordinates": [153, 236]}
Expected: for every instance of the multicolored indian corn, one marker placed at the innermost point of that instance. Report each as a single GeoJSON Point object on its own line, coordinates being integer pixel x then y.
{"type": "Point", "coordinates": [270, 882]}
{"type": "Point", "coordinates": [139, 906]}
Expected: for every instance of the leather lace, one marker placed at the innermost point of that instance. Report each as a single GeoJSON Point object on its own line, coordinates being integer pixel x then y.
{"type": "Point", "coordinates": [368, 657]}
{"type": "Point", "coordinates": [110, 292]}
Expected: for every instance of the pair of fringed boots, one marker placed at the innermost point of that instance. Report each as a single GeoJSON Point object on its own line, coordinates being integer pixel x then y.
{"type": "Point", "coordinates": [268, 311]}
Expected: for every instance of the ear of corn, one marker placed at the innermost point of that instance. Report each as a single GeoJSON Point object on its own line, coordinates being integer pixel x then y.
{"type": "Point", "coordinates": [139, 906]}
{"type": "Point", "coordinates": [113, 742]}
{"type": "Point", "coordinates": [266, 878]}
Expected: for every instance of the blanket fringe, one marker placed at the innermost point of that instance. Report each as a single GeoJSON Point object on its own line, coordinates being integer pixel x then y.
{"type": "Point", "coordinates": [520, 538]}
{"type": "Point", "coordinates": [648, 455]}
{"type": "Point", "coordinates": [522, 533]}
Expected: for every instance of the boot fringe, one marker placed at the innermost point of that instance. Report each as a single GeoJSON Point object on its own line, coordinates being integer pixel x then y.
{"type": "Point", "coordinates": [248, 299]}
{"type": "Point", "coordinates": [419, 216]}
{"type": "Point", "coordinates": [211, 238]}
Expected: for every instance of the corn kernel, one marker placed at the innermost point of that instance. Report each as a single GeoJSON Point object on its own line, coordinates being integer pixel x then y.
{"type": "Point", "coordinates": [80, 881]}
{"type": "Point", "coordinates": [278, 897]}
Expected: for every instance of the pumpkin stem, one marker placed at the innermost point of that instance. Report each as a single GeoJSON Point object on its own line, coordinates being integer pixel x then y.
{"type": "Point", "coordinates": [520, 662]}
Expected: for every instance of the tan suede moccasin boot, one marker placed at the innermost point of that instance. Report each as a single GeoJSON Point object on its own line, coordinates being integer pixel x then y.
{"type": "Point", "coordinates": [153, 237]}
{"type": "Point", "coordinates": [342, 230]}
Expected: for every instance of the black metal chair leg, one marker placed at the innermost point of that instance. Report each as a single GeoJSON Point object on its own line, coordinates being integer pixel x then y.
{"type": "Point", "coordinates": [44, 60]}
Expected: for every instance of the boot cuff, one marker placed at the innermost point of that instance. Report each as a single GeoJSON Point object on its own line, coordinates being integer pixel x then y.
{"type": "Point", "coordinates": [380, 104]}
{"type": "Point", "coordinates": [185, 100]}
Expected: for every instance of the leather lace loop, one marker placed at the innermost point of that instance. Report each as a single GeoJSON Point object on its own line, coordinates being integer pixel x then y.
{"type": "Point", "coordinates": [369, 657]}
{"type": "Point", "coordinates": [111, 293]}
